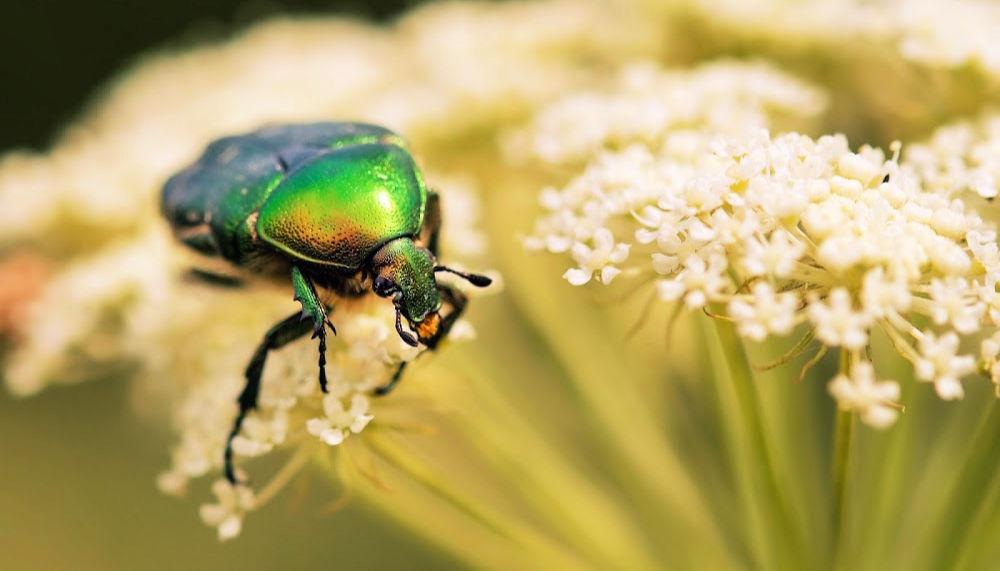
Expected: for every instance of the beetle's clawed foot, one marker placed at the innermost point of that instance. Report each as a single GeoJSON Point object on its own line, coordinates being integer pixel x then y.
{"type": "Point", "coordinates": [393, 381]}
{"type": "Point", "coordinates": [318, 327]}
{"type": "Point", "coordinates": [233, 480]}
{"type": "Point", "coordinates": [407, 337]}
{"type": "Point", "coordinates": [228, 469]}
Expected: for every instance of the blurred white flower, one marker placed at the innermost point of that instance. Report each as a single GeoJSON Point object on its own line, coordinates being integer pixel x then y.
{"type": "Point", "coordinates": [989, 353]}
{"type": "Point", "coordinates": [941, 364]}
{"type": "Point", "coordinates": [125, 288]}
{"type": "Point", "coordinates": [860, 392]}
{"type": "Point", "coordinates": [260, 435]}
{"type": "Point", "coordinates": [953, 302]}
{"type": "Point", "coordinates": [765, 313]}
{"type": "Point", "coordinates": [647, 102]}
{"type": "Point", "coordinates": [916, 30]}
{"type": "Point", "coordinates": [338, 422]}
{"type": "Point", "coordinates": [837, 323]}
{"type": "Point", "coordinates": [232, 504]}
{"type": "Point", "coordinates": [961, 157]}
{"type": "Point", "coordinates": [957, 36]}
{"type": "Point", "coordinates": [699, 282]}
{"type": "Point", "coordinates": [775, 257]}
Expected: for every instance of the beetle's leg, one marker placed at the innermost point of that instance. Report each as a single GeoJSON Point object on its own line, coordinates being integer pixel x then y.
{"type": "Point", "coordinates": [282, 333]}
{"type": "Point", "coordinates": [213, 278]}
{"type": "Point", "coordinates": [387, 388]}
{"type": "Point", "coordinates": [313, 308]}
{"type": "Point", "coordinates": [457, 301]}
{"type": "Point", "coordinates": [431, 227]}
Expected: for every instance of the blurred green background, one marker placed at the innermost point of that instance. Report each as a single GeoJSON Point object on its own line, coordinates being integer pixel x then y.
{"type": "Point", "coordinates": [59, 54]}
{"type": "Point", "coordinates": [77, 490]}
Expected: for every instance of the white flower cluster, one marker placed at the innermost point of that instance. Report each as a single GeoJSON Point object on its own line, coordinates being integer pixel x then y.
{"type": "Point", "coordinates": [961, 157]}
{"type": "Point", "coordinates": [81, 312]}
{"type": "Point", "coordinates": [292, 410]}
{"type": "Point", "coordinates": [363, 355]}
{"type": "Point", "coordinates": [959, 33]}
{"type": "Point", "coordinates": [963, 34]}
{"type": "Point", "coordinates": [645, 102]}
{"type": "Point", "coordinates": [782, 231]}
{"type": "Point", "coordinates": [227, 514]}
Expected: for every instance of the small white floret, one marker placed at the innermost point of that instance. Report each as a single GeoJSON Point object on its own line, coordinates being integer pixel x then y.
{"type": "Point", "coordinates": [861, 392]}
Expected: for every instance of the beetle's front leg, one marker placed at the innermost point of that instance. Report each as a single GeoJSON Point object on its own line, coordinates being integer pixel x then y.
{"type": "Point", "coordinates": [457, 301]}
{"type": "Point", "coordinates": [283, 332]}
{"type": "Point", "coordinates": [312, 308]}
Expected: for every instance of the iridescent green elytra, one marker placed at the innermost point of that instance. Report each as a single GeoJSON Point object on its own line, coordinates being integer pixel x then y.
{"type": "Point", "coordinates": [337, 206]}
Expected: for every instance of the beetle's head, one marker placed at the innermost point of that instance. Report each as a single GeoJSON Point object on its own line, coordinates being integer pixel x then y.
{"type": "Point", "coordinates": [405, 272]}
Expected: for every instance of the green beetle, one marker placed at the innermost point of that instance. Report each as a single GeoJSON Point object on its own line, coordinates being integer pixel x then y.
{"type": "Point", "coordinates": [335, 207]}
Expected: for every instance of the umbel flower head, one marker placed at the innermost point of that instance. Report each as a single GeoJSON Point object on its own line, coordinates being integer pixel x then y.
{"type": "Point", "coordinates": [777, 232]}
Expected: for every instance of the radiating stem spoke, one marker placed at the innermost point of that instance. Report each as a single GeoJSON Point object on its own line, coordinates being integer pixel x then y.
{"type": "Point", "coordinates": [841, 461]}
{"type": "Point", "coordinates": [741, 376]}
{"type": "Point", "coordinates": [842, 438]}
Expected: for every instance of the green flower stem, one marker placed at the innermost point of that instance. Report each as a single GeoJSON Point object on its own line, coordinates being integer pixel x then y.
{"type": "Point", "coordinates": [763, 466]}
{"type": "Point", "coordinates": [842, 438]}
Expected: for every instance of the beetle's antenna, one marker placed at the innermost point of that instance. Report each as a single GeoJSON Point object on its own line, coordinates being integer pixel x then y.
{"type": "Point", "coordinates": [477, 280]}
{"type": "Point", "coordinates": [407, 338]}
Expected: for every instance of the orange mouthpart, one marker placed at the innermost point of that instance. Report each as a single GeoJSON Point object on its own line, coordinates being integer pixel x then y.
{"type": "Point", "coordinates": [428, 328]}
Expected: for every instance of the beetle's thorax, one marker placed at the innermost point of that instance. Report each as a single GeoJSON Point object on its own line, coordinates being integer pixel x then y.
{"type": "Point", "coordinates": [410, 269]}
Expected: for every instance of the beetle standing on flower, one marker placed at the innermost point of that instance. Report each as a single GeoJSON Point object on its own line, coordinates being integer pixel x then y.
{"type": "Point", "coordinates": [337, 206]}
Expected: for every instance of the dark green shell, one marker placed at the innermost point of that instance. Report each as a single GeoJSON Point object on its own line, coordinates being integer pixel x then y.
{"type": "Point", "coordinates": [329, 193]}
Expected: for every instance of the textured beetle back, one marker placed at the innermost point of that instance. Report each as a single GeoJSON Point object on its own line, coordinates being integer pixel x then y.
{"type": "Point", "coordinates": [340, 206]}
{"type": "Point", "coordinates": [208, 204]}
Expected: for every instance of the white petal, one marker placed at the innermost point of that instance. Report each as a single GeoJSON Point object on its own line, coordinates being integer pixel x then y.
{"type": "Point", "coordinates": [360, 423]}
{"type": "Point", "coordinates": [879, 416]}
{"type": "Point", "coordinates": [608, 273]}
{"type": "Point", "coordinates": [557, 244]}
{"type": "Point", "coordinates": [316, 426]}
{"type": "Point", "coordinates": [949, 388]}
{"type": "Point", "coordinates": [230, 528]}
{"type": "Point", "coordinates": [577, 276]}
{"type": "Point", "coordinates": [332, 406]}
{"type": "Point", "coordinates": [332, 436]}
{"type": "Point", "coordinates": [212, 514]}
{"type": "Point", "coordinates": [669, 290]}
{"type": "Point", "coordinates": [603, 239]}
